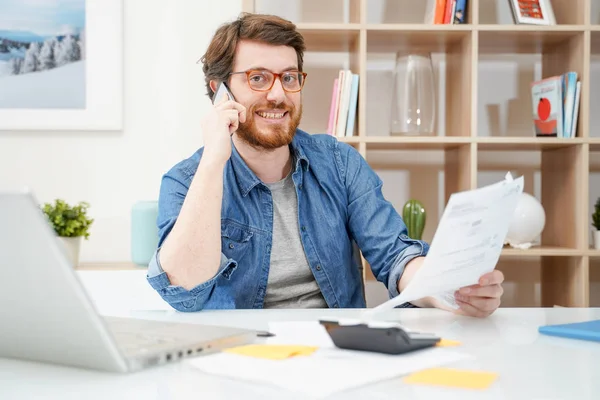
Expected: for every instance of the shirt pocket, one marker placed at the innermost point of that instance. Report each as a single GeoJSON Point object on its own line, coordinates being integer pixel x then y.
{"type": "Point", "coordinates": [235, 240]}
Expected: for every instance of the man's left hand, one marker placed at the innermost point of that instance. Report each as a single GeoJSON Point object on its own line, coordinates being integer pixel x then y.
{"type": "Point", "coordinates": [483, 299]}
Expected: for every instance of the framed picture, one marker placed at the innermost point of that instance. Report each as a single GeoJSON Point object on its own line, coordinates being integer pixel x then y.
{"type": "Point", "coordinates": [532, 12]}
{"type": "Point", "coordinates": [61, 65]}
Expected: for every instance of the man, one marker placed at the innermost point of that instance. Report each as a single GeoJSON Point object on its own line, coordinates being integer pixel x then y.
{"type": "Point", "coordinates": [266, 215]}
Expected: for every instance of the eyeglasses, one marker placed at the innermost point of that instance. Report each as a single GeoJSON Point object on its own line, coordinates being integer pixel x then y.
{"type": "Point", "coordinates": [263, 80]}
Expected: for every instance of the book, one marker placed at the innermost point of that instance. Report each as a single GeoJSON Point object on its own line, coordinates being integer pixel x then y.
{"type": "Point", "coordinates": [338, 98]}
{"type": "Point", "coordinates": [333, 107]}
{"type": "Point", "coordinates": [568, 87]}
{"type": "Point", "coordinates": [344, 101]}
{"type": "Point", "coordinates": [576, 109]}
{"type": "Point", "coordinates": [460, 12]}
{"type": "Point", "coordinates": [547, 102]}
{"type": "Point", "coordinates": [445, 12]}
{"type": "Point", "coordinates": [440, 11]}
{"type": "Point", "coordinates": [556, 105]}
{"type": "Point", "coordinates": [344, 104]}
{"type": "Point", "coordinates": [449, 12]}
{"type": "Point", "coordinates": [352, 106]}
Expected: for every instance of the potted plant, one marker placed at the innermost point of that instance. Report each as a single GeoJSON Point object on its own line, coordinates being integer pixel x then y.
{"type": "Point", "coordinates": [596, 224]}
{"type": "Point", "coordinates": [71, 224]}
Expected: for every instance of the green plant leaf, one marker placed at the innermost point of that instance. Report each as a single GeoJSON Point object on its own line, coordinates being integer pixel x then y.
{"type": "Point", "coordinates": [596, 215]}
{"type": "Point", "coordinates": [67, 220]}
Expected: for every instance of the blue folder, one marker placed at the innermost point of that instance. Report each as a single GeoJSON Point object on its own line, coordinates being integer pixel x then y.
{"type": "Point", "coordinates": [588, 330]}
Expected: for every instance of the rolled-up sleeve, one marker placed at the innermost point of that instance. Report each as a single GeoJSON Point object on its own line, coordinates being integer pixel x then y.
{"type": "Point", "coordinates": [173, 190]}
{"type": "Point", "coordinates": [180, 298]}
{"type": "Point", "coordinates": [414, 250]}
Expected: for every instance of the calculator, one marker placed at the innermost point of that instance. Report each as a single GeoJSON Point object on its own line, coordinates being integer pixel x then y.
{"type": "Point", "coordinates": [387, 338]}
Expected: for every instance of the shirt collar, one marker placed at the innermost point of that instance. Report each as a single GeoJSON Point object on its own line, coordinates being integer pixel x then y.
{"type": "Point", "coordinates": [247, 179]}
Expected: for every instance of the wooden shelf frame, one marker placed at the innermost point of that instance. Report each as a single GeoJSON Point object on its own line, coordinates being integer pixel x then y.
{"type": "Point", "coordinates": [564, 253]}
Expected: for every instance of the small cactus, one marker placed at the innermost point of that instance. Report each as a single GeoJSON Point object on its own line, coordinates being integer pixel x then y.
{"type": "Point", "coordinates": [414, 216]}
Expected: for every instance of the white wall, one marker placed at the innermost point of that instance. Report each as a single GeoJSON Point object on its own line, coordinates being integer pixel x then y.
{"type": "Point", "coordinates": [163, 100]}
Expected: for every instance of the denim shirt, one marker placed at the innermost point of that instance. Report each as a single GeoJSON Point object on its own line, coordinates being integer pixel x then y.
{"type": "Point", "coordinates": [341, 209]}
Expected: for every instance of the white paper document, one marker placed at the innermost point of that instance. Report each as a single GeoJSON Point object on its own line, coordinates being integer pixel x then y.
{"type": "Point", "coordinates": [305, 333]}
{"type": "Point", "coordinates": [466, 245]}
{"type": "Point", "coordinates": [327, 371]}
{"type": "Point", "coordinates": [312, 333]}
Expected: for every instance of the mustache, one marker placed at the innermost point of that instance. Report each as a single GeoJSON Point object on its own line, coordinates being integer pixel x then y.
{"type": "Point", "coordinates": [272, 106]}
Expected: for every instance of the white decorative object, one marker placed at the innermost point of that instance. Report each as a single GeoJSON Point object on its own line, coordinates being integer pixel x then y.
{"type": "Point", "coordinates": [527, 223]}
{"type": "Point", "coordinates": [72, 246]}
{"type": "Point", "coordinates": [597, 239]}
{"type": "Point", "coordinates": [101, 70]}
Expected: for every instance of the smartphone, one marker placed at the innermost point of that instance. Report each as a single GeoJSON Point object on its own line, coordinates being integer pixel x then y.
{"type": "Point", "coordinates": [222, 90]}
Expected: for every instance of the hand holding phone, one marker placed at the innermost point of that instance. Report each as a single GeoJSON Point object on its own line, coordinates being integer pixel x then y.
{"type": "Point", "coordinates": [221, 123]}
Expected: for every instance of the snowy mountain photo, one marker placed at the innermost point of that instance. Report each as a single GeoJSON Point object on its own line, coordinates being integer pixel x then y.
{"type": "Point", "coordinates": [42, 54]}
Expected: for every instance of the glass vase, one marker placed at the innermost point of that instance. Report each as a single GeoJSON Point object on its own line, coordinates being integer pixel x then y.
{"type": "Point", "coordinates": [413, 99]}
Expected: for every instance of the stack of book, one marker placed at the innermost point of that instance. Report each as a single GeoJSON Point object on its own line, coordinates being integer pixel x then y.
{"type": "Point", "coordinates": [448, 12]}
{"type": "Point", "coordinates": [344, 99]}
{"type": "Point", "coordinates": [556, 105]}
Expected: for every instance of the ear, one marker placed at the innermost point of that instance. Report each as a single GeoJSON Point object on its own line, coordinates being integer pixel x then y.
{"type": "Point", "coordinates": [213, 85]}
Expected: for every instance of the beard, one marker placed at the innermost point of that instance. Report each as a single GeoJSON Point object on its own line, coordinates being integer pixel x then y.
{"type": "Point", "coordinates": [273, 136]}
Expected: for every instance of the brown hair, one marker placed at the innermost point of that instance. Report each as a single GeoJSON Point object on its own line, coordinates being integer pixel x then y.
{"type": "Point", "coordinates": [220, 55]}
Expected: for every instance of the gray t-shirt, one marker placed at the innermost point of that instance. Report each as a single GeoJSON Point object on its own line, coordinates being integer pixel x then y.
{"type": "Point", "coordinates": [291, 283]}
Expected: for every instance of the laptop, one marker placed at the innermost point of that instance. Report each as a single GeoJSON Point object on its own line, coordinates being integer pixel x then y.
{"type": "Point", "coordinates": [48, 317]}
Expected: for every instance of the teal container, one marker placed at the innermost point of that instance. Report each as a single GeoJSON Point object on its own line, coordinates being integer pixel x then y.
{"type": "Point", "coordinates": [144, 231]}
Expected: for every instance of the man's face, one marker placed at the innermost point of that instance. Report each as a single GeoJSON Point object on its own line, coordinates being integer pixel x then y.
{"type": "Point", "coordinates": [272, 116]}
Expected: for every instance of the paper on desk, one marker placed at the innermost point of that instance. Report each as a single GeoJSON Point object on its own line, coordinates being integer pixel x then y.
{"type": "Point", "coordinates": [305, 333]}
{"type": "Point", "coordinates": [328, 370]}
{"type": "Point", "coordinates": [466, 244]}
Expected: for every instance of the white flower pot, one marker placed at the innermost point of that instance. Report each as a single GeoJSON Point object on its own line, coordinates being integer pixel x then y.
{"type": "Point", "coordinates": [71, 245]}
{"type": "Point", "coordinates": [597, 239]}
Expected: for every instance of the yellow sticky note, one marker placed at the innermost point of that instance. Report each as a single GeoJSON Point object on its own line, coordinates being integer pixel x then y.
{"type": "Point", "coordinates": [447, 343]}
{"type": "Point", "coordinates": [453, 378]}
{"type": "Point", "coordinates": [272, 351]}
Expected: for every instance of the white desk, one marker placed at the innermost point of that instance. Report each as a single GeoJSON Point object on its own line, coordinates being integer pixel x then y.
{"type": "Point", "coordinates": [530, 366]}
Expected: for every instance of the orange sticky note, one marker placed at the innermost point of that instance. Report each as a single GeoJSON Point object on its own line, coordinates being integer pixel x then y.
{"type": "Point", "coordinates": [272, 351]}
{"type": "Point", "coordinates": [447, 343]}
{"type": "Point", "coordinates": [463, 379]}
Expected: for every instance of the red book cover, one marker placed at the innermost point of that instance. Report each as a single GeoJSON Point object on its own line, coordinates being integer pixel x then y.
{"type": "Point", "coordinates": [547, 104]}
{"type": "Point", "coordinates": [440, 11]}
{"type": "Point", "coordinates": [449, 11]}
